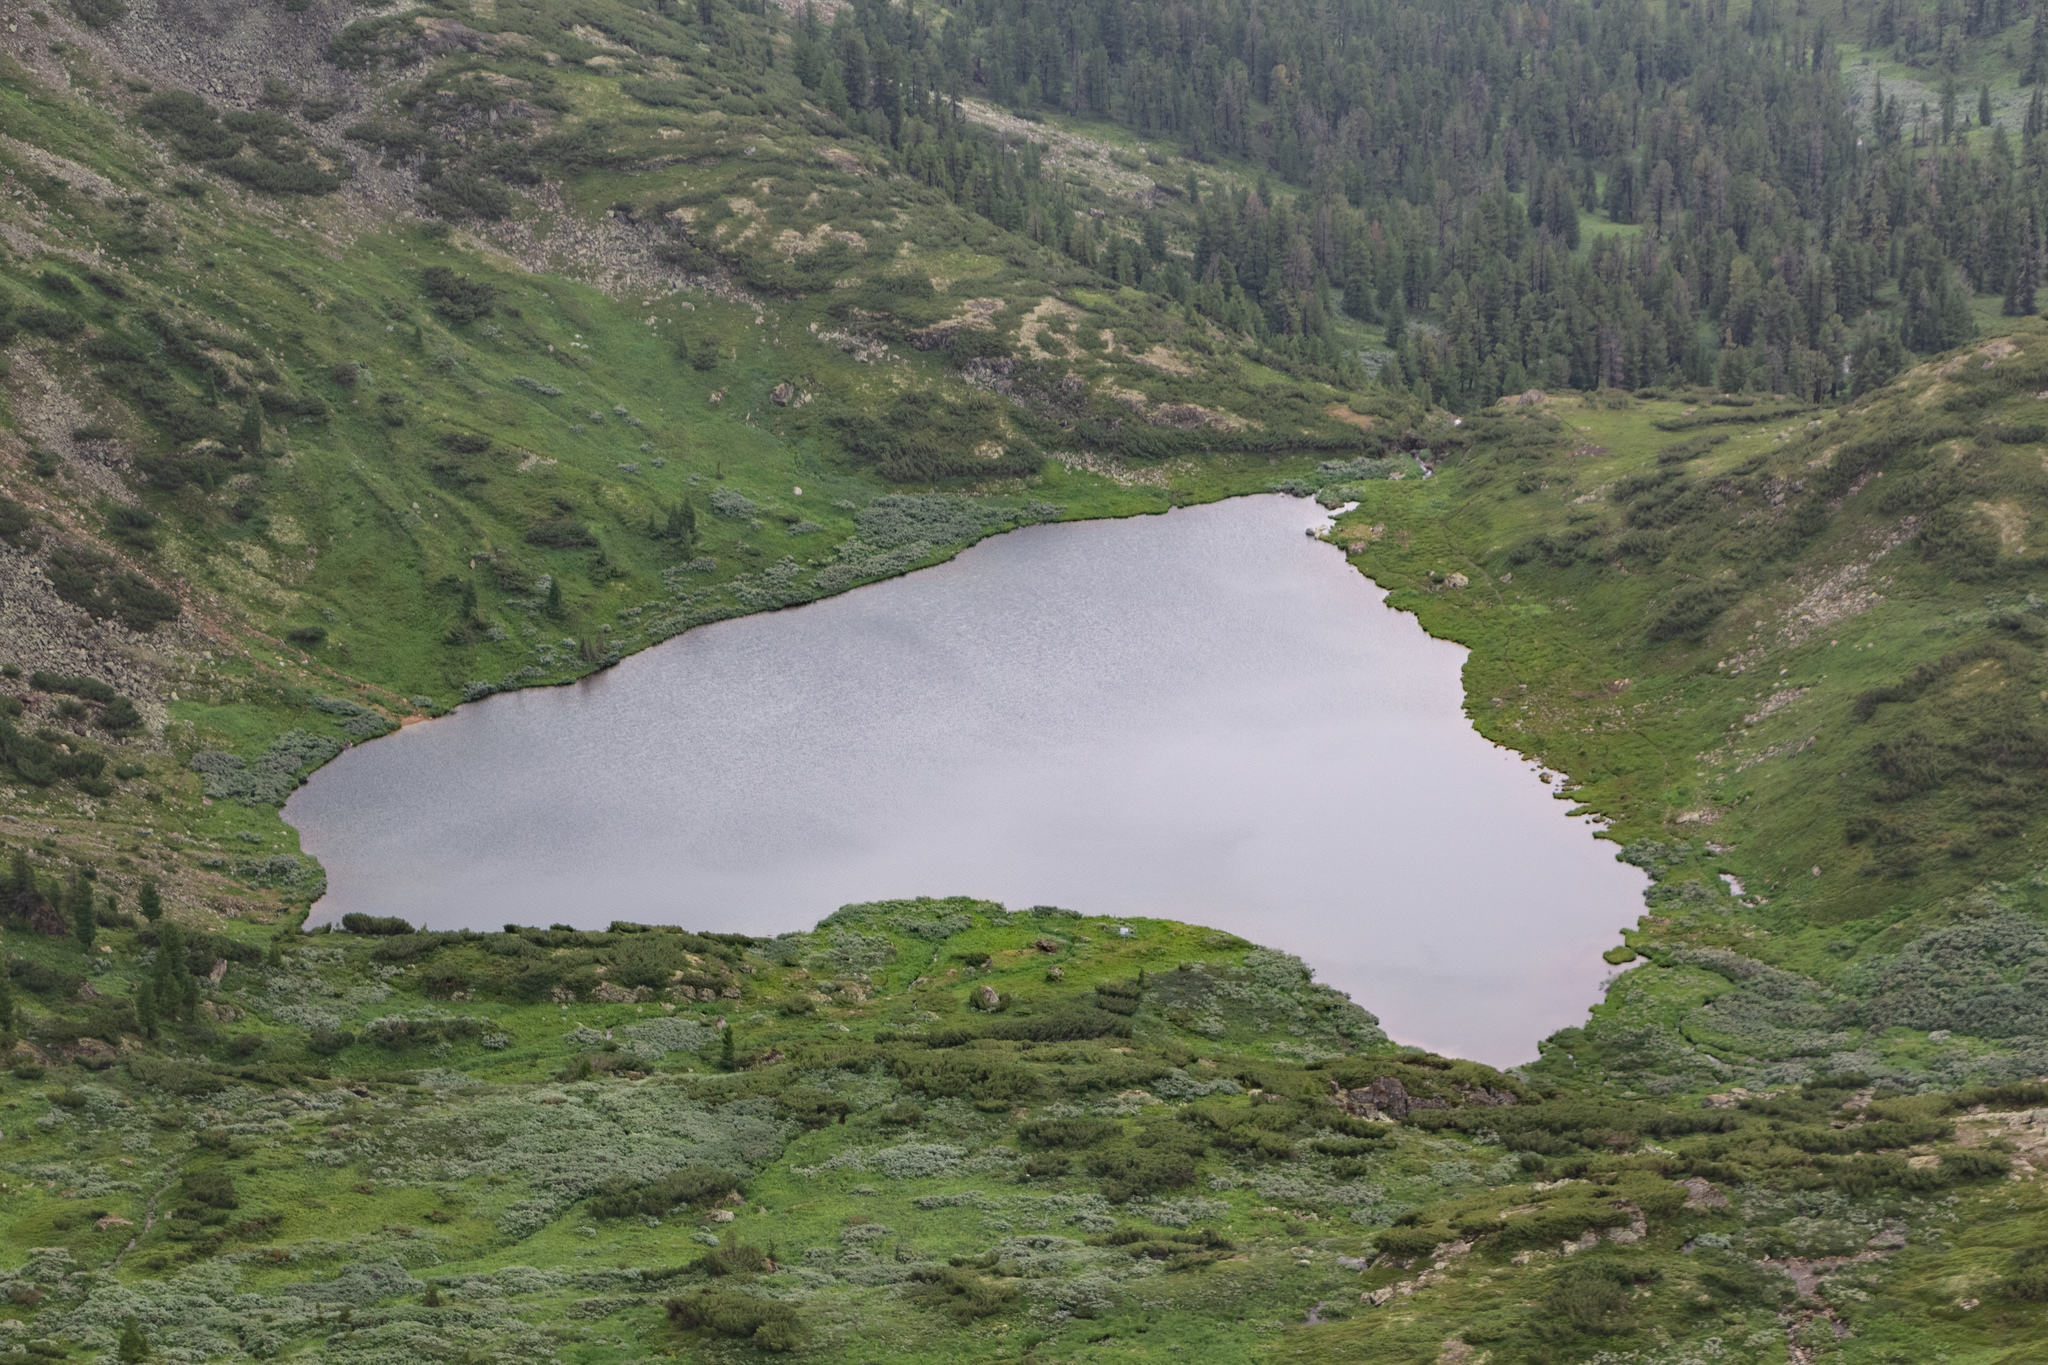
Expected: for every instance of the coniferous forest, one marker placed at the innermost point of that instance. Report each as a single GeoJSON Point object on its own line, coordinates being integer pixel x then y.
{"type": "Point", "coordinates": [1619, 195]}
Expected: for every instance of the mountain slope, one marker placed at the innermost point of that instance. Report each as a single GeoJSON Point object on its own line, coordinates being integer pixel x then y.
{"type": "Point", "coordinates": [359, 363]}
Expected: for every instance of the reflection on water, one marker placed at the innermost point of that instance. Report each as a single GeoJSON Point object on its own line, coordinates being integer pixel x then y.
{"type": "Point", "coordinates": [1203, 716]}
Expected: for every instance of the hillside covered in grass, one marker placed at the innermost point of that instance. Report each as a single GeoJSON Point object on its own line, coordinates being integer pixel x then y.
{"type": "Point", "coordinates": [931, 1130]}
{"type": "Point", "coordinates": [1794, 653]}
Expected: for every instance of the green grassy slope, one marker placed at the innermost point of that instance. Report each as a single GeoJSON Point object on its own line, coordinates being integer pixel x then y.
{"type": "Point", "coordinates": [936, 1130]}
{"type": "Point", "coordinates": [314, 463]}
{"type": "Point", "coordinates": [1786, 650]}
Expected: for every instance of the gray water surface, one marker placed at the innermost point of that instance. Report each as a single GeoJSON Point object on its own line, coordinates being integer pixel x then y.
{"type": "Point", "coordinates": [1203, 716]}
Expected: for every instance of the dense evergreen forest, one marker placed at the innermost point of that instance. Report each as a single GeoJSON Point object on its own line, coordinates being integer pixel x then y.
{"type": "Point", "coordinates": [1765, 220]}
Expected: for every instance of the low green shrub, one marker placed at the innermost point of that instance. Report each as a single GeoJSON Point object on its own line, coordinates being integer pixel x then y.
{"type": "Point", "coordinates": [960, 1293]}
{"type": "Point", "coordinates": [733, 1257]}
{"type": "Point", "coordinates": [355, 922]}
{"type": "Point", "coordinates": [691, 1185]}
{"type": "Point", "coordinates": [1067, 1132]}
{"type": "Point", "coordinates": [769, 1325]}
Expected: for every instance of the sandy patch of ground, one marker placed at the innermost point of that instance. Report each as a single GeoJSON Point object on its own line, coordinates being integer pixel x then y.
{"type": "Point", "coordinates": [843, 160]}
{"type": "Point", "coordinates": [1068, 151]}
{"type": "Point", "coordinates": [1344, 414]}
{"type": "Point", "coordinates": [1776, 702]}
{"type": "Point", "coordinates": [1117, 472]}
{"type": "Point", "coordinates": [793, 244]}
{"type": "Point", "coordinates": [2009, 520]}
{"type": "Point", "coordinates": [1159, 358]}
{"type": "Point", "coordinates": [1034, 322]}
{"type": "Point", "coordinates": [1192, 416]}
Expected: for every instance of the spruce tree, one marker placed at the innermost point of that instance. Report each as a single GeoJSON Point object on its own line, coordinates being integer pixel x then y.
{"type": "Point", "coordinates": [2030, 268]}
{"type": "Point", "coordinates": [1953, 322]}
{"type": "Point", "coordinates": [682, 525]}
{"type": "Point", "coordinates": [150, 901]}
{"type": "Point", "coordinates": [170, 965]}
{"type": "Point", "coordinates": [2019, 294]}
{"type": "Point", "coordinates": [554, 607]}
{"type": "Point", "coordinates": [1984, 107]}
{"type": "Point", "coordinates": [1397, 321]}
{"type": "Point", "coordinates": [85, 925]}
{"type": "Point", "coordinates": [133, 1347]}
{"type": "Point", "coordinates": [6, 999]}
{"type": "Point", "coordinates": [251, 437]}
{"type": "Point", "coordinates": [2037, 51]}
{"type": "Point", "coordinates": [725, 1050]}
{"type": "Point", "coordinates": [145, 1007]}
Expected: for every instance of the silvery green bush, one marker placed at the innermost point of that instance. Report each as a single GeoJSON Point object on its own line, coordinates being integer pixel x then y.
{"type": "Point", "coordinates": [226, 777]}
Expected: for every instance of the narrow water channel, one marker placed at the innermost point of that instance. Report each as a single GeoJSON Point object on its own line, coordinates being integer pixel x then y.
{"type": "Point", "coordinates": [1203, 716]}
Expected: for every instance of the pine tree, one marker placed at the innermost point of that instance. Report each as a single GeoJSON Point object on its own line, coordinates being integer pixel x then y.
{"type": "Point", "coordinates": [251, 437]}
{"type": "Point", "coordinates": [23, 880]}
{"type": "Point", "coordinates": [1397, 321]}
{"type": "Point", "coordinates": [832, 91]}
{"type": "Point", "coordinates": [150, 901]}
{"type": "Point", "coordinates": [682, 525]}
{"type": "Point", "coordinates": [6, 999]}
{"type": "Point", "coordinates": [145, 1007]}
{"type": "Point", "coordinates": [85, 925]}
{"type": "Point", "coordinates": [133, 1347]}
{"type": "Point", "coordinates": [725, 1050]}
{"type": "Point", "coordinates": [2030, 268]}
{"type": "Point", "coordinates": [554, 607]}
{"type": "Point", "coordinates": [2019, 295]}
{"type": "Point", "coordinates": [432, 1298]}
{"type": "Point", "coordinates": [170, 966]}
{"type": "Point", "coordinates": [1953, 322]}
{"type": "Point", "coordinates": [2037, 51]}
{"type": "Point", "coordinates": [1984, 107]}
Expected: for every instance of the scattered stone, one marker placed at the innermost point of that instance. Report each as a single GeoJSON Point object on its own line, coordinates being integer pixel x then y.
{"type": "Point", "coordinates": [1700, 1194]}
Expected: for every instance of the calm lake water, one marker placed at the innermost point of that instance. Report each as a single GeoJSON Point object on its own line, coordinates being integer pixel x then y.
{"type": "Point", "coordinates": [1203, 716]}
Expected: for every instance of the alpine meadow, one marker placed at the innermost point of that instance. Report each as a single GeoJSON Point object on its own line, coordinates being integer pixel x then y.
{"type": "Point", "coordinates": [1682, 359]}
